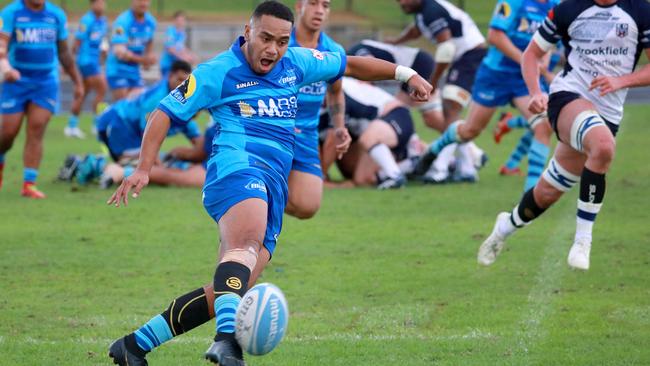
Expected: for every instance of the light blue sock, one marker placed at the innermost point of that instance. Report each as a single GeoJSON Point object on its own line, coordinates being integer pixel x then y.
{"type": "Point", "coordinates": [153, 334]}
{"type": "Point", "coordinates": [448, 137]}
{"type": "Point", "coordinates": [30, 175]}
{"type": "Point", "coordinates": [73, 121]}
{"type": "Point", "coordinates": [128, 171]}
{"type": "Point", "coordinates": [521, 150]}
{"type": "Point", "coordinates": [536, 161]}
{"type": "Point", "coordinates": [517, 122]}
{"type": "Point", "coordinates": [225, 308]}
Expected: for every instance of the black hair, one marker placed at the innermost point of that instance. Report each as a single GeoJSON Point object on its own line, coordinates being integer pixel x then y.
{"type": "Point", "coordinates": [181, 65]}
{"type": "Point", "coordinates": [274, 9]}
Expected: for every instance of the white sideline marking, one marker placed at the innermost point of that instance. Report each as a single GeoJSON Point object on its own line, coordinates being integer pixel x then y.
{"type": "Point", "coordinates": [548, 278]}
{"type": "Point", "coordinates": [347, 337]}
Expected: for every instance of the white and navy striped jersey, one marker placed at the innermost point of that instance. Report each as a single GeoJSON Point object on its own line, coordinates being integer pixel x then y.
{"type": "Point", "coordinates": [435, 16]}
{"type": "Point", "coordinates": [598, 40]}
{"type": "Point", "coordinates": [364, 100]}
{"type": "Point", "coordinates": [400, 55]}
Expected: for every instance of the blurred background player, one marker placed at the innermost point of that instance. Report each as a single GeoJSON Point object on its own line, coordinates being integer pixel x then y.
{"type": "Point", "coordinates": [585, 108]}
{"type": "Point", "coordinates": [306, 179]}
{"type": "Point", "coordinates": [386, 128]}
{"type": "Point", "coordinates": [175, 48]}
{"type": "Point", "coordinates": [131, 47]}
{"type": "Point", "coordinates": [499, 82]}
{"type": "Point", "coordinates": [459, 52]}
{"type": "Point", "coordinates": [33, 35]}
{"type": "Point", "coordinates": [90, 49]}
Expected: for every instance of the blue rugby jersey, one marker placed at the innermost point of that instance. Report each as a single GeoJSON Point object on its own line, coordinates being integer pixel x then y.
{"type": "Point", "coordinates": [255, 114]}
{"type": "Point", "coordinates": [127, 30]}
{"type": "Point", "coordinates": [133, 111]}
{"type": "Point", "coordinates": [33, 37]}
{"type": "Point", "coordinates": [173, 39]}
{"type": "Point", "coordinates": [519, 20]}
{"type": "Point", "coordinates": [91, 33]}
{"type": "Point", "coordinates": [310, 97]}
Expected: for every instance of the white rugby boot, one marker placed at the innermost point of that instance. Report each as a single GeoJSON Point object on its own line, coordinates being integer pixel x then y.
{"type": "Point", "coordinates": [494, 243]}
{"type": "Point", "coordinates": [579, 254]}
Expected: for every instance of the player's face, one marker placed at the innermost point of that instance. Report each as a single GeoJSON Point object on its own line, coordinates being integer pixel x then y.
{"type": "Point", "coordinates": [180, 22]}
{"type": "Point", "coordinates": [176, 78]}
{"type": "Point", "coordinates": [313, 13]}
{"type": "Point", "coordinates": [140, 6]}
{"type": "Point", "coordinates": [267, 39]}
{"type": "Point", "coordinates": [35, 3]}
{"type": "Point", "coordinates": [98, 6]}
{"type": "Point", "coordinates": [410, 6]}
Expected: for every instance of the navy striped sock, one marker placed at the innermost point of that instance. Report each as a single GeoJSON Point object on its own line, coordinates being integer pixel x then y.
{"type": "Point", "coordinates": [448, 137]}
{"type": "Point", "coordinates": [517, 122]}
{"type": "Point", "coordinates": [521, 150]}
{"type": "Point", "coordinates": [536, 161]}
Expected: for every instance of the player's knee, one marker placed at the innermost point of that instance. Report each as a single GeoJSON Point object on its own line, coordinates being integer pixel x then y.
{"type": "Point", "coordinates": [303, 209]}
{"type": "Point", "coordinates": [602, 153]}
{"type": "Point", "coordinates": [468, 131]}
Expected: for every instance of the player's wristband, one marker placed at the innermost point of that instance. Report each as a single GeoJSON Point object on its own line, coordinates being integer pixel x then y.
{"type": "Point", "coordinates": [404, 74]}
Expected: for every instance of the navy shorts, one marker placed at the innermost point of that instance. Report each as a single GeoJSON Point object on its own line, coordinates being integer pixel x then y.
{"type": "Point", "coordinates": [423, 65]}
{"type": "Point", "coordinates": [463, 71]}
{"type": "Point", "coordinates": [558, 100]}
{"type": "Point", "coordinates": [401, 121]}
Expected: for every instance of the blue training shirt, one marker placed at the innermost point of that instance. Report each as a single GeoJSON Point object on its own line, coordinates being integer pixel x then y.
{"type": "Point", "coordinates": [33, 38]}
{"type": "Point", "coordinates": [91, 33]}
{"type": "Point", "coordinates": [519, 20]}
{"type": "Point", "coordinates": [174, 39]}
{"type": "Point", "coordinates": [133, 111]}
{"type": "Point", "coordinates": [310, 97]}
{"type": "Point", "coordinates": [136, 35]}
{"type": "Point", "coordinates": [255, 114]}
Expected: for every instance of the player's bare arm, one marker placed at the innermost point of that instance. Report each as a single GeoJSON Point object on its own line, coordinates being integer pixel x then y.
{"type": "Point", "coordinates": [336, 106]}
{"type": "Point", "coordinates": [374, 69]}
{"type": "Point", "coordinates": [154, 135]}
{"type": "Point", "coordinates": [67, 61]}
{"type": "Point", "coordinates": [531, 59]}
{"type": "Point", "coordinates": [609, 84]}
{"type": "Point", "coordinates": [10, 74]}
{"type": "Point", "coordinates": [502, 42]}
{"type": "Point", "coordinates": [444, 56]}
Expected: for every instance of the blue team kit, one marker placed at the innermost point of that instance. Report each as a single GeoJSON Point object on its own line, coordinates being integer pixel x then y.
{"type": "Point", "coordinates": [174, 39]}
{"type": "Point", "coordinates": [253, 150]}
{"type": "Point", "coordinates": [91, 32]}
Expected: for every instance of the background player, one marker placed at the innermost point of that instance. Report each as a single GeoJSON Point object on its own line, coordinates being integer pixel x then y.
{"type": "Point", "coordinates": [175, 48]}
{"type": "Point", "coordinates": [499, 82]}
{"type": "Point", "coordinates": [131, 46]}
{"type": "Point", "coordinates": [33, 34]}
{"type": "Point", "coordinates": [247, 175]}
{"type": "Point", "coordinates": [460, 49]}
{"type": "Point", "coordinates": [585, 108]}
{"type": "Point", "coordinates": [90, 48]}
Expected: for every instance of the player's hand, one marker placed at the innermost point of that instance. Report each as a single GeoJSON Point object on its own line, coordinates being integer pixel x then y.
{"type": "Point", "coordinates": [78, 91]}
{"type": "Point", "coordinates": [420, 88]}
{"type": "Point", "coordinates": [136, 181]}
{"type": "Point", "coordinates": [12, 75]}
{"type": "Point", "coordinates": [149, 60]}
{"type": "Point", "coordinates": [343, 141]}
{"type": "Point", "coordinates": [538, 103]}
{"type": "Point", "coordinates": [606, 84]}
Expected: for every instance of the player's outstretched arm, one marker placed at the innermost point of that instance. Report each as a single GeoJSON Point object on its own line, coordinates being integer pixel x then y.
{"type": "Point", "coordinates": [609, 84]}
{"type": "Point", "coordinates": [530, 62]}
{"type": "Point", "coordinates": [336, 107]}
{"type": "Point", "coordinates": [373, 69]}
{"type": "Point", "coordinates": [67, 61]}
{"type": "Point", "coordinates": [154, 135]}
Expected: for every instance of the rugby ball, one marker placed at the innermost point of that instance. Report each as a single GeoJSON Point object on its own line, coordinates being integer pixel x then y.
{"type": "Point", "coordinates": [262, 318]}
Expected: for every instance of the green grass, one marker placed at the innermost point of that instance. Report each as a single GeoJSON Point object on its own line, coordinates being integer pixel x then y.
{"type": "Point", "coordinates": [375, 278]}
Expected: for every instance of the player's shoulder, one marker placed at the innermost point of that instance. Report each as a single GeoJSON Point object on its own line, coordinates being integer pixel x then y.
{"type": "Point", "coordinates": [149, 18]}
{"type": "Point", "coordinates": [125, 17]}
{"type": "Point", "coordinates": [331, 45]}
{"type": "Point", "coordinates": [55, 10]}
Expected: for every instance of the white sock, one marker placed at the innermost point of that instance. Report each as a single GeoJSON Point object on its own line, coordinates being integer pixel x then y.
{"type": "Point", "coordinates": [585, 226]}
{"type": "Point", "coordinates": [382, 155]}
{"type": "Point", "coordinates": [445, 158]}
{"type": "Point", "coordinates": [466, 165]}
{"type": "Point", "coordinates": [506, 227]}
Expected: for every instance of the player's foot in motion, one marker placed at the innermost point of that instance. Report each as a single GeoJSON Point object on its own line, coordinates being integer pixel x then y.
{"type": "Point", "coordinates": [30, 191]}
{"type": "Point", "coordinates": [123, 357]}
{"type": "Point", "coordinates": [74, 132]}
{"type": "Point", "coordinates": [436, 176]}
{"type": "Point", "coordinates": [502, 127]}
{"type": "Point", "coordinates": [494, 243]}
{"type": "Point", "coordinates": [504, 170]}
{"type": "Point", "coordinates": [579, 254]}
{"type": "Point", "coordinates": [69, 168]}
{"type": "Point", "coordinates": [392, 183]}
{"type": "Point", "coordinates": [87, 170]}
{"type": "Point", "coordinates": [225, 352]}
{"type": "Point", "coordinates": [424, 163]}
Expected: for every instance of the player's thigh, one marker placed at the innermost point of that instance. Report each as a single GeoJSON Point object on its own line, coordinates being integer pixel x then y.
{"type": "Point", "coordinates": [365, 173]}
{"type": "Point", "coordinates": [379, 132]}
{"type": "Point", "coordinates": [568, 115]}
{"type": "Point", "coordinates": [10, 125]}
{"type": "Point", "coordinates": [477, 119]}
{"type": "Point", "coordinates": [95, 82]}
{"type": "Point", "coordinates": [37, 119]}
{"type": "Point", "coordinates": [244, 225]}
{"type": "Point", "coordinates": [305, 189]}
{"type": "Point", "coordinates": [571, 160]}
{"type": "Point", "coordinates": [120, 93]}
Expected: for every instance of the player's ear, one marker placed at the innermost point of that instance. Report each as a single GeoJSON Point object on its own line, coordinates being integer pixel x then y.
{"type": "Point", "coordinates": [247, 32]}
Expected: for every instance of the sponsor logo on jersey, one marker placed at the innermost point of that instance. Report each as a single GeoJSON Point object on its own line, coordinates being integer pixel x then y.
{"type": "Point", "coordinates": [622, 30]}
{"type": "Point", "coordinates": [317, 88]}
{"type": "Point", "coordinates": [256, 185]}
{"type": "Point", "coordinates": [247, 84]}
{"type": "Point", "coordinates": [291, 80]}
{"type": "Point", "coordinates": [36, 35]}
{"type": "Point", "coordinates": [234, 283]}
{"type": "Point", "coordinates": [603, 51]}
{"type": "Point", "coordinates": [185, 91]}
{"type": "Point", "coordinates": [504, 10]}
{"type": "Point", "coordinates": [245, 109]}
{"type": "Point", "coordinates": [271, 107]}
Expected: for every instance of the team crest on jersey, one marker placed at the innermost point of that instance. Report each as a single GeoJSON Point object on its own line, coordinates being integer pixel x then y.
{"type": "Point", "coordinates": [504, 10]}
{"type": "Point", "coordinates": [317, 54]}
{"type": "Point", "coordinates": [245, 109]}
{"type": "Point", "coordinates": [622, 30]}
{"type": "Point", "coordinates": [119, 31]}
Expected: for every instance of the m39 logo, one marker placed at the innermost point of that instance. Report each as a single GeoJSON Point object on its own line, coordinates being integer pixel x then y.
{"type": "Point", "coordinates": [36, 35]}
{"type": "Point", "coordinates": [271, 107]}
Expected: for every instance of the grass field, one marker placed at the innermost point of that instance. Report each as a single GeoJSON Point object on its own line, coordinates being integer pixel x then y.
{"type": "Point", "coordinates": [376, 278]}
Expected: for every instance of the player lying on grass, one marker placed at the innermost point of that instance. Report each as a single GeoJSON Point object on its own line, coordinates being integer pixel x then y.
{"type": "Point", "coordinates": [585, 108]}
{"type": "Point", "coordinates": [381, 127]}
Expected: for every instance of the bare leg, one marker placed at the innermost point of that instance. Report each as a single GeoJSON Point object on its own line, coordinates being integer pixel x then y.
{"type": "Point", "coordinates": [305, 194]}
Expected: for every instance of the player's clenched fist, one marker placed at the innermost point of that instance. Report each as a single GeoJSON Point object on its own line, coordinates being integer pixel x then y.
{"type": "Point", "coordinates": [538, 103]}
{"type": "Point", "coordinates": [420, 88]}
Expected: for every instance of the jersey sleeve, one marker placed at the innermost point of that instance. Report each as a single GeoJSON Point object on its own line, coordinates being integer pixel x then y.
{"type": "Point", "coordinates": [554, 28]}
{"type": "Point", "coordinates": [199, 91]}
{"type": "Point", "coordinates": [318, 66]}
{"type": "Point", "coordinates": [7, 20]}
{"type": "Point", "coordinates": [119, 35]}
{"type": "Point", "coordinates": [644, 25]}
{"type": "Point", "coordinates": [344, 55]}
{"type": "Point", "coordinates": [505, 14]}
{"type": "Point", "coordinates": [62, 26]}
{"type": "Point", "coordinates": [437, 18]}
{"type": "Point", "coordinates": [82, 29]}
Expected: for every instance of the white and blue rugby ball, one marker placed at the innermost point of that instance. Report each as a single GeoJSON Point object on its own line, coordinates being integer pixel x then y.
{"type": "Point", "coordinates": [262, 318]}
